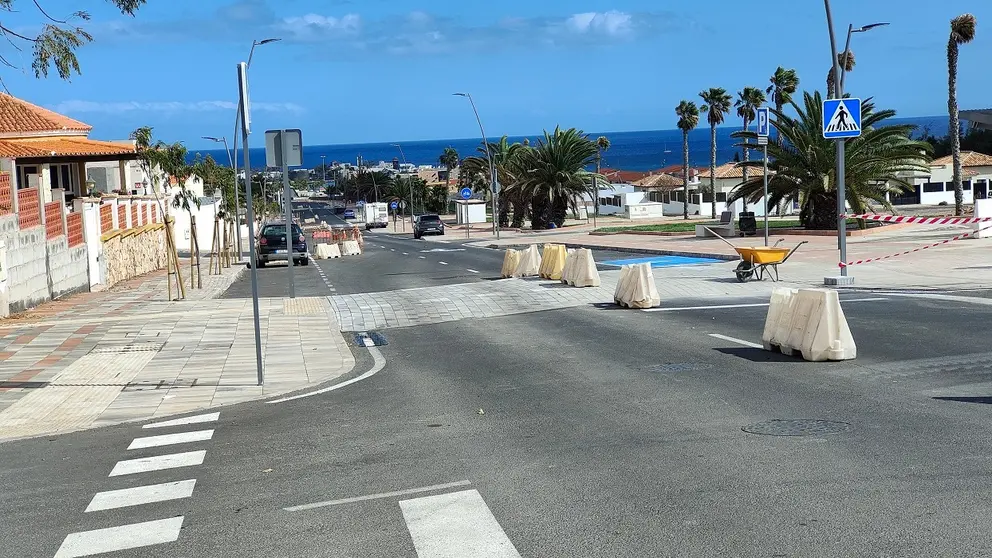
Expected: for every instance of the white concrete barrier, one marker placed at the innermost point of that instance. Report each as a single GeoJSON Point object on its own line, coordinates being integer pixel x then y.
{"type": "Point", "coordinates": [552, 262]}
{"type": "Point", "coordinates": [350, 248]}
{"type": "Point", "coordinates": [510, 262]}
{"type": "Point", "coordinates": [580, 269]}
{"type": "Point", "coordinates": [636, 288]}
{"type": "Point", "coordinates": [530, 263]}
{"type": "Point", "coordinates": [810, 322]}
{"type": "Point", "coordinates": [327, 251]}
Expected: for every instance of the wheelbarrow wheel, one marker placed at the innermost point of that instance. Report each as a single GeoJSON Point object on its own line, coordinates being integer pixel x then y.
{"type": "Point", "coordinates": [744, 271]}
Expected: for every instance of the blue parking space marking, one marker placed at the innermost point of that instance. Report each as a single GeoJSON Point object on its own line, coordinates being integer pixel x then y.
{"type": "Point", "coordinates": [664, 261]}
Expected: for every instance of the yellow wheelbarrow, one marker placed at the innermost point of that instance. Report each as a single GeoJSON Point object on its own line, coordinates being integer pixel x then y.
{"type": "Point", "coordinates": [758, 261]}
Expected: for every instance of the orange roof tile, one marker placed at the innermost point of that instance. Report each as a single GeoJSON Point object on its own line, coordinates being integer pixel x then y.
{"type": "Point", "coordinates": [968, 159]}
{"type": "Point", "coordinates": [729, 170]}
{"type": "Point", "coordinates": [61, 147]}
{"type": "Point", "coordinates": [18, 116]}
{"type": "Point", "coordinates": [660, 182]}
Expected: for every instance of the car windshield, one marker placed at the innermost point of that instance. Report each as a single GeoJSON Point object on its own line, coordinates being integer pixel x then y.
{"type": "Point", "coordinates": [432, 219]}
{"type": "Point", "coordinates": [280, 230]}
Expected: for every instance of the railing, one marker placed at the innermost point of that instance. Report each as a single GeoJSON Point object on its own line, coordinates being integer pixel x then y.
{"type": "Point", "coordinates": [53, 219]}
{"type": "Point", "coordinates": [28, 208]}
{"type": "Point", "coordinates": [74, 222]}
{"type": "Point", "coordinates": [122, 217]}
{"type": "Point", "coordinates": [6, 195]}
{"type": "Point", "coordinates": [106, 218]}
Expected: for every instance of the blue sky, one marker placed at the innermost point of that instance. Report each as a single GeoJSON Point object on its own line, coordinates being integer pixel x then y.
{"type": "Point", "coordinates": [350, 71]}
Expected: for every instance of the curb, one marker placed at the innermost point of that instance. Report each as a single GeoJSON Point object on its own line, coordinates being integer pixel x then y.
{"type": "Point", "coordinates": [653, 251]}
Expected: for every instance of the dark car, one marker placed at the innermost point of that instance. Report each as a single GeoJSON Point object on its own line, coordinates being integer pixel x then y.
{"type": "Point", "coordinates": [349, 213]}
{"type": "Point", "coordinates": [271, 245]}
{"type": "Point", "coordinates": [427, 224]}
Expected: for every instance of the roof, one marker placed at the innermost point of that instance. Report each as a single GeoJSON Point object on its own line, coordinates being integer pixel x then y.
{"type": "Point", "coordinates": [62, 147]}
{"type": "Point", "coordinates": [729, 170]}
{"type": "Point", "coordinates": [18, 116]}
{"type": "Point", "coordinates": [661, 182]}
{"type": "Point", "coordinates": [627, 177]}
{"type": "Point", "coordinates": [968, 159]}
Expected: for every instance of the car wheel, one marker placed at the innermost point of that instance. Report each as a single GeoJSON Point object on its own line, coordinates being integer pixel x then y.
{"type": "Point", "coordinates": [306, 262]}
{"type": "Point", "coordinates": [261, 264]}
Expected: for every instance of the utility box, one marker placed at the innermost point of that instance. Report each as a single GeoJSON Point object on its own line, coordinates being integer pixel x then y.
{"type": "Point", "coordinates": [983, 209]}
{"type": "Point", "coordinates": [471, 211]}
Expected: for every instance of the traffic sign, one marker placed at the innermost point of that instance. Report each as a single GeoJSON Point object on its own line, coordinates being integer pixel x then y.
{"type": "Point", "coordinates": [466, 193]}
{"type": "Point", "coordinates": [841, 118]}
{"type": "Point", "coordinates": [764, 125]}
{"type": "Point", "coordinates": [762, 140]}
{"type": "Point", "coordinates": [359, 203]}
{"type": "Point", "coordinates": [393, 205]}
{"type": "Point", "coordinates": [496, 187]}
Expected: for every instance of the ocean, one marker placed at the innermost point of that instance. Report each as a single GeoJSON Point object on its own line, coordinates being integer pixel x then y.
{"type": "Point", "coordinates": [632, 151]}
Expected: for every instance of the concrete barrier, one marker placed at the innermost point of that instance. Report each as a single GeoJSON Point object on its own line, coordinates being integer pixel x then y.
{"type": "Point", "coordinates": [327, 251]}
{"type": "Point", "coordinates": [552, 262]}
{"type": "Point", "coordinates": [350, 248]}
{"type": "Point", "coordinates": [580, 269]}
{"type": "Point", "coordinates": [636, 288]}
{"type": "Point", "coordinates": [510, 262]}
{"type": "Point", "coordinates": [810, 322]}
{"type": "Point", "coordinates": [530, 263]}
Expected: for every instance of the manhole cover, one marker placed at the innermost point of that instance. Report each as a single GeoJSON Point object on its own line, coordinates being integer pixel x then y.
{"type": "Point", "coordinates": [797, 427]}
{"type": "Point", "coordinates": [129, 348]}
{"type": "Point", "coordinates": [680, 367]}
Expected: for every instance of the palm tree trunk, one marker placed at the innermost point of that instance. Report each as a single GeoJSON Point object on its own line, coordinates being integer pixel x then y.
{"type": "Point", "coordinates": [685, 175]}
{"type": "Point", "coordinates": [713, 169]}
{"type": "Point", "coordinates": [747, 157]}
{"type": "Point", "coordinates": [954, 128]}
{"type": "Point", "coordinates": [595, 190]}
{"type": "Point", "coordinates": [778, 140]}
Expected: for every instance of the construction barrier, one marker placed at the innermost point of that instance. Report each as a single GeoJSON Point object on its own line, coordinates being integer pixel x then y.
{"type": "Point", "coordinates": [327, 251]}
{"type": "Point", "coordinates": [917, 220]}
{"type": "Point", "coordinates": [580, 269]}
{"type": "Point", "coordinates": [530, 263]}
{"type": "Point", "coordinates": [636, 288]}
{"type": "Point", "coordinates": [350, 248]}
{"type": "Point", "coordinates": [510, 262]}
{"type": "Point", "coordinates": [810, 322]}
{"type": "Point", "coordinates": [322, 234]}
{"type": "Point", "coordinates": [552, 262]}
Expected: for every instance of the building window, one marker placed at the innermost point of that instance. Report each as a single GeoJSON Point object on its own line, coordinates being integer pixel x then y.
{"type": "Point", "coordinates": [61, 176]}
{"type": "Point", "coordinates": [933, 187]}
{"type": "Point", "coordinates": [966, 185]}
{"type": "Point", "coordinates": [721, 197]}
{"type": "Point", "coordinates": [617, 201]}
{"type": "Point", "coordinates": [707, 198]}
{"type": "Point", "coordinates": [22, 175]}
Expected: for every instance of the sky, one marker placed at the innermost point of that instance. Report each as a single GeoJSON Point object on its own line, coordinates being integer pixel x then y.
{"type": "Point", "coordinates": [356, 71]}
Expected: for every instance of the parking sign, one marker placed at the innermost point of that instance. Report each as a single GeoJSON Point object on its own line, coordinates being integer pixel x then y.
{"type": "Point", "coordinates": [764, 125]}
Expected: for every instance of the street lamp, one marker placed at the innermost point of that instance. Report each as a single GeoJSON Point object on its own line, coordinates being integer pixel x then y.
{"type": "Point", "coordinates": [492, 167]}
{"type": "Point", "coordinates": [403, 155]}
{"type": "Point", "coordinates": [839, 94]}
{"type": "Point", "coordinates": [230, 158]}
{"type": "Point", "coordinates": [234, 159]}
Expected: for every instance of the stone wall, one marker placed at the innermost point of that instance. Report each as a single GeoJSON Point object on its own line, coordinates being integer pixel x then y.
{"type": "Point", "coordinates": [133, 252]}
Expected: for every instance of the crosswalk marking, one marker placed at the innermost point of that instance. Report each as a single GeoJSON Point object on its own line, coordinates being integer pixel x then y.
{"type": "Point", "coordinates": [443, 263]}
{"type": "Point", "coordinates": [171, 439]}
{"type": "Point", "coordinates": [135, 535]}
{"type": "Point", "coordinates": [113, 499]}
{"type": "Point", "coordinates": [196, 419]}
{"type": "Point", "coordinates": [158, 463]}
{"type": "Point", "coordinates": [455, 525]}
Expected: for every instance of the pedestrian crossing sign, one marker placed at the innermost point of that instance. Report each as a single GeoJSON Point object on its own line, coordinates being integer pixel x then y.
{"type": "Point", "coordinates": [841, 118]}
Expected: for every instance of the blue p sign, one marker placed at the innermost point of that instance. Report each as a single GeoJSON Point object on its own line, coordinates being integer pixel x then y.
{"type": "Point", "coordinates": [764, 126]}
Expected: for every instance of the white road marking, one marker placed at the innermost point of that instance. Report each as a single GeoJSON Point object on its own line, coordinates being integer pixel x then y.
{"type": "Point", "coordinates": [738, 341]}
{"type": "Point", "coordinates": [195, 419]}
{"type": "Point", "coordinates": [442, 250]}
{"type": "Point", "coordinates": [423, 257]}
{"type": "Point", "coordinates": [171, 439]}
{"type": "Point", "coordinates": [158, 463]}
{"type": "Point", "coordinates": [378, 496]}
{"type": "Point", "coordinates": [392, 249]}
{"type": "Point", "coordinates": [406, 253]}
{"type": "Point", "coordinates": [379, 362]}
{"type": "Point", "coordinates": [135, 535]}
{"type": "Point", "coordinates": [138, 495]}
{"type": "Point", "coordinates": [755, 305]}
{"type": "Point", "coordinates": [443, 263]}
{"type": "Point", "coordinates": [455, 525]}
{"type": "Point", "coordinates": [471, 270]}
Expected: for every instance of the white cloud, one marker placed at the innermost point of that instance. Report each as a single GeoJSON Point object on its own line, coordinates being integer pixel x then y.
{"type": "Point", "coordinates": [75, 107]}
{"type": "Point", "coordinates": [612, 23]}
{"type": "Point", "coordinates": [313, 26]}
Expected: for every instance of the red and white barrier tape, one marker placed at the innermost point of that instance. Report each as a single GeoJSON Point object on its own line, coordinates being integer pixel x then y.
{"type": "Point", "coordinates": [919, 220]}
{"type": "Point", "coordinates": [920, 249]}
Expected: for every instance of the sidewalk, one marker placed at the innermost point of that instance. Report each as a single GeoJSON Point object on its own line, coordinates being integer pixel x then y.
{"type": "Point", "coordinates": [129, 354]}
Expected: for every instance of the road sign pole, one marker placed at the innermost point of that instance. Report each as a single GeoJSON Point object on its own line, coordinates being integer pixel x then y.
{"type": "Point", "coordinates": [841, 207]}
{"type": "Point", "coordinates": [288, 200]}
{"type": "Point", "coordinates": [765, 157]}
{"type": "Point", "coordinates": [252, 259]}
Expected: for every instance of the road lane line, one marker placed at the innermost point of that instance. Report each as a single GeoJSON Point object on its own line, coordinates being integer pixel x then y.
{"type": "Point", "coordinates": [443, 263]}
{"type": "Point", "coordinates": [755, 305]}
{"type": "Point", "coordinates": [378, 496]}
{"type": "Point", "coordinates": [379, 362]}
{"type": "Point", "coordinates": [113, 499]}
{"type": "Point", "coordinates": [135, 535]}
{"type": "Point", "coordinates": [158, 463]}
{"type": "Point", "coordinates": [422, 257]}
{"type": "Point", "coordinates": [471, 270]}
{"type": "Point", "coordinates": [738, 341]}
{"type": "Point", "coordinates": [195, 419]}
{"type": "Point", "coordinates": [171, 439]}
{"type": "Point", "coordinates": [455, 525]}
{"type": "Point", "coordinates": [406, 253]}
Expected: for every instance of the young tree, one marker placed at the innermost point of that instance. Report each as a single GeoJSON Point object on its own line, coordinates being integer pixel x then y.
{"type": "Point", "coordinates": [962, 31]}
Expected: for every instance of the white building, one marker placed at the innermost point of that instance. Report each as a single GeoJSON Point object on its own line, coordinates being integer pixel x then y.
{"type": "Point", "coordinates": [937, 188]}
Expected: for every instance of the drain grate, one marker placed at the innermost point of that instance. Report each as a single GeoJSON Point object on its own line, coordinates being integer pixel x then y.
{"type": "Point", "coordinates": [797, 427]}
{"type": "Point", "coordinates": [129, 348]}
{"type": "Point", "coordinates": [161, 384]}
{"type": "Point", "coordinates": [369, 339]}
{"type": "Point", "coordinates": [679, 367]}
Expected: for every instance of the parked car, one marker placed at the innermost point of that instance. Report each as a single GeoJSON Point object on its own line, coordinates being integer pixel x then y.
{"type": "Point", "coordinates": [349, 213]}
{"type": "Point", "coordinates": [271, 245]}
{"type": "Point", "coordinates": [427, 224]}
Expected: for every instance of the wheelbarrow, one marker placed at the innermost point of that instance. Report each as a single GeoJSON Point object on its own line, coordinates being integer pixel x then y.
{"type": "Point", "coordinates": [758, 261]}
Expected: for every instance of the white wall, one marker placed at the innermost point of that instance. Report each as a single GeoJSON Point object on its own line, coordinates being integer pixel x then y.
{"type": "Point", "coordinates": [204, 226]}
{"type": "Point", "coordinates": [471, 212]}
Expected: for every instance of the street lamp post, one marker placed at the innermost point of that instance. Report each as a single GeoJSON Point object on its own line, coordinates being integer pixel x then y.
{"type": "Point", "coordinates": [237, 123]}
{"type": "Point", "coordinates": [403, 155]}
{"type": "Point", "coordinates": [492, 167]}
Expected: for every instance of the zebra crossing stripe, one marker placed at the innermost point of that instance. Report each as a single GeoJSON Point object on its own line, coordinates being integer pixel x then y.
{"type": "Point", "coordinates": [158, 463]}
{"type": "Point", "coordinates": [135, 535]}
{"type": "Point", "coordinates": [171, 439]}
{"type": "Point", "coordinates": [113, 499]}
{"type": "Point", "coordinates": [196, 419]}
{"type": "Point", "coordinates": [455, 525]}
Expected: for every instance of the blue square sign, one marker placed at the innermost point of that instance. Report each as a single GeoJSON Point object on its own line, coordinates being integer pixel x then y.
{"type": "Point", "coordinates": [764, 125]}
{"type": "Point", "coordinates": [841, 118]}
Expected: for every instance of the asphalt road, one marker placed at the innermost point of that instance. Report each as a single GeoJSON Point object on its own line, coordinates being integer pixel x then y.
{"type": "Point", "coordinates": [602, 433]}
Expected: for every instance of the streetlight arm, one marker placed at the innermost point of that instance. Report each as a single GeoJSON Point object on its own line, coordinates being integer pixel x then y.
{"type": "Point", "coordinates": [833, 45]}
{"type": "Point", "coordinates": [839, 85]}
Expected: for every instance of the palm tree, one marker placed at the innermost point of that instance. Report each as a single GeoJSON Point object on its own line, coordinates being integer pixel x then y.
{"type": "Point", "coordinates": [783, 84]}
{"type": "Point", "coordinates": [449, 160]}
{"type": "Point", "coordinates": [748, 101]}
{"type": "Point", "coordinates": [554, 174]}
{"type": "Point", "coordinates": [602, 145]}
{"type": "Point", "coordinates": [847, 63]}
{"type": "Point", "coordinates": [688, 120]}
{"type": "Point", "coordinates": [476, 169]}
{"type": "Point", "coordinates": [716, 103]}
{"type": "Point", "coordinates": [962, 31]}
{"type": "Point", "coordinates": [878, 163]}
